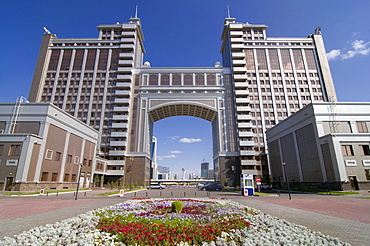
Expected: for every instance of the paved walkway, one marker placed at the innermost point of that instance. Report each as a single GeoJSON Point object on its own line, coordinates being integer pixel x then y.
{"type": "Point", "coordinates": [347, 218]}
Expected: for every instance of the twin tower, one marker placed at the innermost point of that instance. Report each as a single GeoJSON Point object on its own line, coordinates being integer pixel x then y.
{"type": "Point", "coordinates": [105, 83]}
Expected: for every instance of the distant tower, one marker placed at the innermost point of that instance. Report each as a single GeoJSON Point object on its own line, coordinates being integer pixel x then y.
{"type": "Point", "coordinates": [154, 168]}
{"type": "Point", "coordinates": [204, 169]}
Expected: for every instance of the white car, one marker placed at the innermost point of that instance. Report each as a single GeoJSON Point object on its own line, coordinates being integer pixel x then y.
{"type": "Point", "coordinates": [156, 186]}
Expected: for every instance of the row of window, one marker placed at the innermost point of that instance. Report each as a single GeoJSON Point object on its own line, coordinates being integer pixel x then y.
{"type": "Point", "coordinates": [14, 150]}
{"type": "Point", "coordinates": [347, 150]}
{"type": "Point", "coordinates": [49, 155]}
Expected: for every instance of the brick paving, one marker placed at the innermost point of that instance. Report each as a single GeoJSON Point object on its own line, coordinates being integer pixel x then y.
{"type": "Point", "coordinates": [347, 218]}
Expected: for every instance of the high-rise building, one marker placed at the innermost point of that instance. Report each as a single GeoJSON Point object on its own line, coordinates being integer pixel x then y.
{"type": "Point", "coordinates": [104, 82]}
{"type": "Point", "coordinates": [204, 169]}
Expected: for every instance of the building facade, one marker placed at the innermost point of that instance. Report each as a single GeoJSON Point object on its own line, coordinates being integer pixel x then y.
{"type": "Point", "coordinates": [43, 147]}
{"type": "Point", "coordinates": [323, 146]}
{"type": "Point", "coordinates": [103, 82]}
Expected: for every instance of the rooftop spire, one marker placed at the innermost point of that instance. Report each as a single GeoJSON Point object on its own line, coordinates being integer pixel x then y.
{"type": "Point", "coordinates": [136, 11]}
{"type": "Point", "coordinates": [228, 11]}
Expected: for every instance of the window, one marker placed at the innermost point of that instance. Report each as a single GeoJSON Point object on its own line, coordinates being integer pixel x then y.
{"type": "Point", "coordinates": [66, 177]}
{"type": "Point", "coordinates": [85, 162]}
{"type": "Point", "coordinates": [367, 174]}
{"type": "Point", "coordinates": [49, 154]}
{"type": "Point", "coordinates": [15, 150]}
{"type": "Point", "coordinates": [362, 127]}
{"type": "Point", "coordinates": [44, 176]}
{"type": "Point", "coordinates": [74, 178]}
{"type": "Point", "coordinates": [1, 149]}
{"type": "Point", "coordinates": [54, 176]}
{"type": "Point", "coordinates": [77, 160]}
{"type": "Point", "coordinates": [57, 156]}
{"type": "Point", "coordinates": [366, 163]}
{"type": "Point", "coordinates": [347, 150]}
{"type": "Point", "coordinates": [364, 149]}
{"type": "Point", "coordinates": [69, 159]}
{"type": "Point", "coordinates": [350, 163]}
{"type": "Point", "coordinates": [11, 162]}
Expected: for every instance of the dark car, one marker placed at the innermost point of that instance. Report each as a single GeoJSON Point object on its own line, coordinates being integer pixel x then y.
{"type": "Point", "coordinates": [212, 186]}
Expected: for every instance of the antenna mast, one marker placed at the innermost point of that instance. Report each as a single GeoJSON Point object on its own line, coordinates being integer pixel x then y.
{"type": "Point", "coordinates": [136, 11]}
{"type": "Point", "coordinates": [228, 11]}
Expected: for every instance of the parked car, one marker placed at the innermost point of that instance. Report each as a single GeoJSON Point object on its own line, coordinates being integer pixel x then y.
{"type": "Point", "coordinates": [156, 186]}
{"type": "Point", "coordinates": [212, 186]}
{"type": "Point", "coordinates": [200, 185]}
{"type": "Point", "coordinates": [265, 186]}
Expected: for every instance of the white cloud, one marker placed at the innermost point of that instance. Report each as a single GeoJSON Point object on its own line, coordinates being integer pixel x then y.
{"type": "Point", "coordinates": [359, 47]}
{"type": "Point", "coordinates": [161, 158]}
{"type": "Point", "coordinates": [190, 140]}
{"type": "Point", "coordinates": [175, 151]}
{"type": "Point", "coordinates": [173, 137]}
{"type": "Point", "coordinates": [332, 55]}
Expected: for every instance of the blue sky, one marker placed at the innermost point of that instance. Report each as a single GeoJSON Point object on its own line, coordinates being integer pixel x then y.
{"type": "Point", "coordinates": [187, 34]}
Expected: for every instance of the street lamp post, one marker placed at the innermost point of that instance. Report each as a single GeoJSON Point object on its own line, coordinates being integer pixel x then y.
{"type": "Point", "coordinates": [78, 180]}
{"type": "Point", "coordinates": [286, 179]}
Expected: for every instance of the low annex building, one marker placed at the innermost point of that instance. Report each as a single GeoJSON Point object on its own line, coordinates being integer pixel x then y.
{"type": "Point", "coordinates": [43, 147]}
{"type": "Point", "coordinates": [324, 146]}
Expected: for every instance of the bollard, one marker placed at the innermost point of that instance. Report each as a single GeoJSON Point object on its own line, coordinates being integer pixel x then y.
{"type": "Point", "coordinates": [195, 194]}
{"type": "Point", "coordinates": [135, 194]}
{"type": "Point", "coordinates": [57, 193]}
{"type": "Point", "coordinates": [47, 193]}
{"type": "Point", "coordinates": [74, 193]}
{"type": "Point", "coordinates": [184, 194]}
{"type": "Point", "coordinates": [160, 193]}
{"type": "Point", "coordinates": [171, 193]}
{"type": "Point", "coordinates": [146, 194]}
{"type": "Point", "coordinates": [85, 193]}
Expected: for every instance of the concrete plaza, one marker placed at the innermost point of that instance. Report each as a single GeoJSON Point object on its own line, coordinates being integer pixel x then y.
{"type": "Point", "coordinates": [345, 217]}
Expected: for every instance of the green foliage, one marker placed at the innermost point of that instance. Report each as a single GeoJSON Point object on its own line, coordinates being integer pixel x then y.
{"type": "Point", "coordinates": [111, 185]}
{"type": "Point", "coordinates": [177, 206]}
{"type": "Point", "coordinates": [119, 185]}
{"type": "Point", "coordinates": [96, 180]}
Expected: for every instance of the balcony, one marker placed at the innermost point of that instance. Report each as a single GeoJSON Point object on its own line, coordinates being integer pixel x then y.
{"type": "Point", "coordinates": [128, 40]}
{"type": "Point", "coordinates": [247, 143]}
{"type": "Point", "coordinates": [248, 152]}
{"type": "Point", "coordinates": [237, 40]}
{"type": "Point", "coordinates": [125, 62]}
{"type": "Point", "coordinates": [127, 46]}
{"type": "Point", "coordinates": [243, 100]}
{"type": "Point", "coordinates": [124, 69]}
{"type": "Point", "coordinates": [119, 125]}
{"type": "Point", "coordinates": [244, 117]}
{"type": "Point", "coordinates": [238, 62]}
{"type": "Point", "coordinates": [242, 92]}
{"type": "Point", "coordinates": [241, 85]}
{"type": "Point", "coordinates": [120, 109]}
{"type": "Point", "coordinates": [245, 134]}
{"type": "Point", "coordinates": [240, 76]}
{"type": "Point", "coordinates": [128, 34]}
{"type": "Point", "coordinates": [126, 55]}
{"type": "Point", "coordinates": [122, 93]}
{"type": "Point", "coordinates": [238, 54]}
{"type": "Point", "coordinates": [118, 134]}
{"type": "Point", "coordinates": [115, 172]}
{"type": "Point", "coordinates": [236, 33]}
{"type": "Point", "coordinates": [237, 46]}
{"type": "Point", "coordinates": [248, 162]}
{"type": "Point", "coordinates": [245, 125]}
{"type": "Point", "coordinates": [124, 77]}
{"type": "Point", "coordinates": [117, 152]}
{"type": "Point", "coordinates": [243, 109]}
{"type": "Point", "coordinates": [239, 69]}
{"type": "Point", "coordinates": [120, 117]}
{"type": "Point", "coordinates": [122, 100]}
{"type": "Point", "coordinates": [118, 143]}
{"type": "Point", "coordinates": [123, 85]}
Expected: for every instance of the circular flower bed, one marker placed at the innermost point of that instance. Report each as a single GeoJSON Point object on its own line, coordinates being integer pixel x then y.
{"type": "Point", "coordinates": [155, 222]}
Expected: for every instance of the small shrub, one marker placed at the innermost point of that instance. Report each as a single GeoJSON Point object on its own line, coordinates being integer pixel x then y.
{"type": "Point", "coordinates": [177, 206]}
